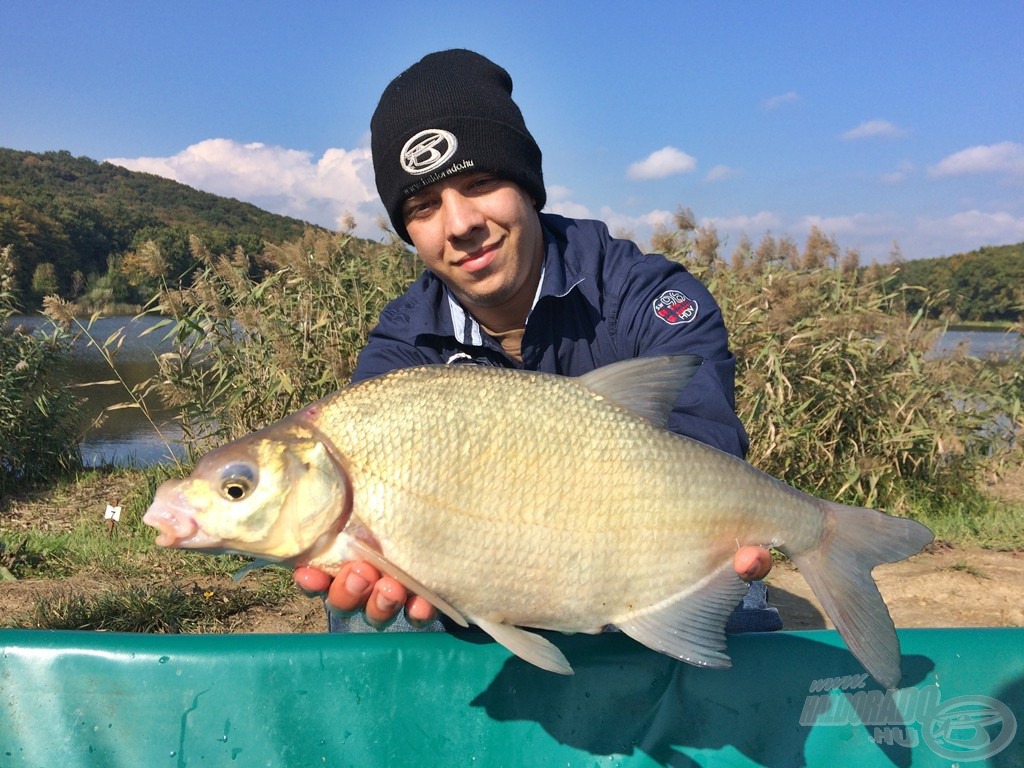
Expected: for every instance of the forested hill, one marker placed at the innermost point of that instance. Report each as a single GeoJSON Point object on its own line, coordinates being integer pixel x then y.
{"type": "Point", "coordinates": [983, 285]}
{"type": "Point", "coordinates": [69, 218]}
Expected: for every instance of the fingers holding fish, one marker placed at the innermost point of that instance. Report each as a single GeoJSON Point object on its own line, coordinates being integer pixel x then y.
{"type": "Point", "coordinates": [351, 589]}
{"type": "Point", "coordinates": [387, 596]}
{"type": "Point", "coordinates": [360, 586]}
{"type": "Point", "coordinates": [312, 581]}
{"type": "Point", "coordinates": [419, 612]}
{"type": "Point", "coordinates": [752, 563]}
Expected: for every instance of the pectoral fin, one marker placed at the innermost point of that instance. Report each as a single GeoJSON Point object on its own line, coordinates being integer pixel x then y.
{"type": "Point", "coordinates": [691, 626]}
{"type": "Point", "coordinates": [528, 646]}
{"type": "Point", "coordinates": [242, 572]}
{"type": "Point", "coordinates": [360, 550]}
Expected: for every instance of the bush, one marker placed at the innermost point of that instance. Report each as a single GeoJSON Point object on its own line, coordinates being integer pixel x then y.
{"type": "Point", "coordinates": [40, 424]}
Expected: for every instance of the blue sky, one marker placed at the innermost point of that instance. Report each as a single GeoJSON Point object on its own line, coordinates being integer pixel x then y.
{"type": "Point", "coordinates": [876, 121]}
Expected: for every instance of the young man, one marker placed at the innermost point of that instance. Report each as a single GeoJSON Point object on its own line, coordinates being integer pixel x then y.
{"type": "Point", "coordinates": [506, 285]}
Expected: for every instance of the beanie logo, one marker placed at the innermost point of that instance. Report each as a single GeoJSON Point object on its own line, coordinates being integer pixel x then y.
{"type": "Point", "coordinates": [428, 150]}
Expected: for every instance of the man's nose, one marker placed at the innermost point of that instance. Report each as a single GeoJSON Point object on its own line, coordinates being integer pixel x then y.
{"type": "Point", "coordinates": [461, 214]}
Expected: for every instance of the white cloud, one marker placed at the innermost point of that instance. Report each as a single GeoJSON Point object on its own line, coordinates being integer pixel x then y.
{"type": "Point", "coordinates": [751, 224]}
{"type": "Point", "coordinates": [641, 226]}
{"type": "Point", "coordinates": [903, 171]}
{"type": "Point", "coordinates": [560, 202]}
{"type": "Point", "coordinates": [775, 102]}
{"type": "Point", "coordinates": [872, 234]}
{"type": "Point", "coordinates": [721, 173]}
{"type": "Point", "coordinates": [1006, 158]}
{"type": "Point", "coordinates": [853, 227]}
{"type": "Point", "coordinates": [286, 181]}
{"type": "Point", "coordinates": [874, 129]}
{"type": "Point", "coordinates": [975, 228]}
{"type": "Point", "coordinates": [667, 161]}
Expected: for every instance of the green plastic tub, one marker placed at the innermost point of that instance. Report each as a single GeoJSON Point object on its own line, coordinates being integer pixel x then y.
{"type": "Point", "coordinates": [70, 699]}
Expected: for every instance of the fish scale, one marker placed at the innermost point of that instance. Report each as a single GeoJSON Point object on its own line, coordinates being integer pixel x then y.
{"type": "Point", "coordinates": [595, 494]}
{"type": "Point", "coordinates": [515, 499]}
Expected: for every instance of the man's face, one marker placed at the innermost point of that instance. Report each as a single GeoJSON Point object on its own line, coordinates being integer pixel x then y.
{"type": "Point", "coordinates": [482, 237]}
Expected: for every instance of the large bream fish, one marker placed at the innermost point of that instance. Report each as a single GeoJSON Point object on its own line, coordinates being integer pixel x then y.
{"type": "Point", "coordinates": [514, 499]}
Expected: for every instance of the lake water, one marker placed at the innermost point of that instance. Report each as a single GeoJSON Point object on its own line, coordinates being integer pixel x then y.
{"type": "Point", "coordinates": [126, 437]}
{"type": "Point", "coordinates": [980, 344]}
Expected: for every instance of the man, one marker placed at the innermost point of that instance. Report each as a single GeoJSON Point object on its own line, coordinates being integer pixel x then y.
{"type": "Point", "coordinates": [506, 285]}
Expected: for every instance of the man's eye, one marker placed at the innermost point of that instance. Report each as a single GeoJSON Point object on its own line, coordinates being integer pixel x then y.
{"type": "Point", "coordinates": [484, 183]}
{"type": "Point", "coordinates": [417, 210]}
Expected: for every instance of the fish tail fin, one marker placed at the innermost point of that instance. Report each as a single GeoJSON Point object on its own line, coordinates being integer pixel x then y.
{"type": "Point", "coordinates": [839, 569]}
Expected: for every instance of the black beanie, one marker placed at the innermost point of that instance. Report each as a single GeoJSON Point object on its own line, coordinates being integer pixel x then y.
{"type": "Point", "coordinates": [450, 113]}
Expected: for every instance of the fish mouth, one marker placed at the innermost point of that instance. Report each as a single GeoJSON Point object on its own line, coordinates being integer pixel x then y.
{"type": "Point", "coordinates": [174, 521]}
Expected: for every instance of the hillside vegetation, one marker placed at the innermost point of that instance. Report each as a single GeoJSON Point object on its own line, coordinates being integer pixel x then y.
{"type": "Point", "coordinates": [101, 234]}
{"type": "Point", "coordinates": [985, 285]}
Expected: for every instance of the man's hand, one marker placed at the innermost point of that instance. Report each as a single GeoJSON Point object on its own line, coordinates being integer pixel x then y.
{"type": "Point", "coordinates": [752, 563]}
{"type": "Point", "coordinates": [360, 586]}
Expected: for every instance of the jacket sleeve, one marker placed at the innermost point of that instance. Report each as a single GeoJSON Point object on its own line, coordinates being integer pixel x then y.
{"type": "Point", "coordinates": [663, 310]}
{"type": "Point", "coordinates": [382, 355]}
{"type": "Point", "coordinates": [392, 344]}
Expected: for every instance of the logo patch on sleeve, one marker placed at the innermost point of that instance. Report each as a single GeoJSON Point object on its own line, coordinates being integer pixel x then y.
{"type": "Point", "coordinates": [675, 308]}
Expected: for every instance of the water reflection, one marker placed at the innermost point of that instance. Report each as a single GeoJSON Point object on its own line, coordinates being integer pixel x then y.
{"type": "Point", "coordinates": [125, 436]}
{"type": "Point", "coordinates": [980, 344]}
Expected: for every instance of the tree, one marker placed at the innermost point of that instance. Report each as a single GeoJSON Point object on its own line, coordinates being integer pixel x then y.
{"type": "Point", "coordinates": [44, 280]}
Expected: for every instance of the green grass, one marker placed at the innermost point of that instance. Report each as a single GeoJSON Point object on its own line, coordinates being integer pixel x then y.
{"type": "Point", "coordinates": [61, 534]}
{"type": "Point", "coordinates": [65, 531]}
{"type": "Point", "coordinates": [988, 524]}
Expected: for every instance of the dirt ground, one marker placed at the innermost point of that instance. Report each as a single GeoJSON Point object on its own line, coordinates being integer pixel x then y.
{"type": "Point", "coordinates": [942, 587]}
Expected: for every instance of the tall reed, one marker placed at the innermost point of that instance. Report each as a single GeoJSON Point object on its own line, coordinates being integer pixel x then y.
{"type": "Point", "coordinates": [256, 341]}
{"type": "Point", "coordinates": [40, 423]}
{"type": "Point", "coordinates": [836, 383]}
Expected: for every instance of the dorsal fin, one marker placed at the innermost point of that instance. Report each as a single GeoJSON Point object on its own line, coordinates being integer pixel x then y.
{"type": "Point", "coordinates": [647, 386]}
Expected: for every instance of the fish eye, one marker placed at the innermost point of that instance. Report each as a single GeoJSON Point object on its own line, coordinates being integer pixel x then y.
{"type": "Point", "coordinates": [237, 481]}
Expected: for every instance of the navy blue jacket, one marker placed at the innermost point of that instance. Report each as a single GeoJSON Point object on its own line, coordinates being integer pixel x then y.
{"type": "Point", "coordinates": [600, 301]}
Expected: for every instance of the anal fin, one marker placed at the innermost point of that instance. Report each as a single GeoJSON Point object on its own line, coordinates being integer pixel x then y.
{"type": "Point", "coordinates": [691, 626]}
{"type": "Point", "coordinates": [528, 646]}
